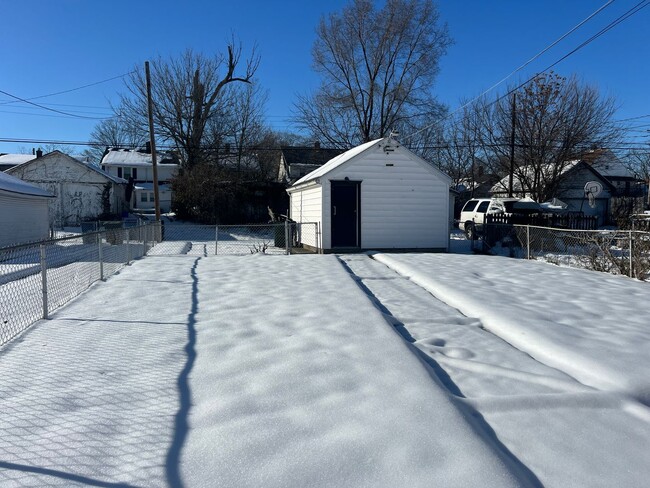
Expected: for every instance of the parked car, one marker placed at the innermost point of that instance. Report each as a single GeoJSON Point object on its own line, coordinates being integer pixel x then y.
{"type": "Point", "coordinates": [472, 216]}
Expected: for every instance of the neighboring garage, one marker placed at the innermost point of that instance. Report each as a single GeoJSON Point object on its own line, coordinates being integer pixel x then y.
{"type": "Point", "coordinates": [378, 195]}
{"type": "Point", "coordinates": [24, 215]}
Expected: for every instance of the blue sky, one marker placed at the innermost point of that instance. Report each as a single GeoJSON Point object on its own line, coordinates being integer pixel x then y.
{"type": "Point", "coordinates": [55, 45]}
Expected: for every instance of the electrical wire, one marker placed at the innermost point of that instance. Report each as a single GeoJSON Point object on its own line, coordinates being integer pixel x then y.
{"type": "Point", "coordinates": [642, 4]}
{"type": "Point", "coordinates": [51, 109]}
{"type": "Point", "coordinates": [71, 89]}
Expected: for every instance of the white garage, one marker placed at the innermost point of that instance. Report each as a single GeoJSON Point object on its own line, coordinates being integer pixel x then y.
{"type": "Point", "coordinates": [23, 211]}
{"type": "Point", "coordinates": [378, 195]}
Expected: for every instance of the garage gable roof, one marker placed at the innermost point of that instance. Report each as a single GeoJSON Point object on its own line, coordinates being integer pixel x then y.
{"type": "Point", "coordinates": [355, 151]}
{"type": "Point", "coordinates": [16, 185]}
{"type": "Point", "coordinates": [336, 162]}
{"type": "Point", "coordinates": [58, 154]}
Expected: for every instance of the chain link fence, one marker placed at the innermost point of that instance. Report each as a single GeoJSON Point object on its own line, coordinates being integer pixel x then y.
{"type": "Point", "coordinates": [625, 252]}
{"type": "Point", "coordinates": [37, 278]}
{"type": "Point", "coordinates": [207, 240]}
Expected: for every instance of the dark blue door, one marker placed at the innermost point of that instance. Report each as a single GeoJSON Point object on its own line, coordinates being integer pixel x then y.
{"type": "Point", "coordinates": [345, 214]}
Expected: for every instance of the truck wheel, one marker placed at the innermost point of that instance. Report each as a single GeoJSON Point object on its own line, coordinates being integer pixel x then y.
{"type": "Point", "coordinates": [470, 230]}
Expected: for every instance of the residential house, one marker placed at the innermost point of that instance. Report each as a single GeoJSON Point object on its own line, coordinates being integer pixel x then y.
{"type": "Point", "coordinates": [298, 161]}
{"type": "Point", "coordinates": [378, 195]}
{"type": "Point", "coordinates": [136, 167]}
{"type": "Point", "coordinates": [82, 191]}
{"type": "Point", "coordinates": [24, 216]}
{"type": "Point", "coordinates": [8, 161]}
{"type": "Point", "coordinates": [571, 190]}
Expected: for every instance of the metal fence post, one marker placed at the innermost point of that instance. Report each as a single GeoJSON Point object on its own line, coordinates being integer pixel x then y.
{"type": "Point", "coordinates": [631, 258]}
{"type": "Point", "coordinates": [101, 255]}
{"type": "Point", "coordinates": [528, 242]}
{"type": "Point", "coordinates": [216, 238]}
{"type": "Point", "coordinates": [287, 249]}
{"type": "Point", "coordinates": [128, 245]}
{"type": "Point", "coordinates": [143, 230]}
{"type": "Point", "coordinates": [44, 280]}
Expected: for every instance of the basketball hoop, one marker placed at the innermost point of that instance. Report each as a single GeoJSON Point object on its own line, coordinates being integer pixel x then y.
{"type": "Point", "coordinates": [592, 200]}
{"type": "Point", "coordinates": [592, 190]}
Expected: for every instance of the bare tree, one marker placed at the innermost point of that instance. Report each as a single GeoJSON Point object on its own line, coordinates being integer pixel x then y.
{"type": "Point", "coordinates": [240, 126]}
{"type": "Point", "coordinates": [638, 161]}
{"type": "Point", "coordinates": [186, 92]}
{"type": "Point", "coordinates": [556, 120]}
{"type": "Point", "coordinates": [114, 132]}
{"type": "Point", "coordinates": [378, 67]}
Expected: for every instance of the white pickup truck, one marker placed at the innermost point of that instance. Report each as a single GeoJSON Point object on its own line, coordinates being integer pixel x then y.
{"type": "Point", "coordinates": [472, 216]}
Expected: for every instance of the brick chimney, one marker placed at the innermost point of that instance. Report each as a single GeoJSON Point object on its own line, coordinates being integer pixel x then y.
{"type": "Point", "coordinates": [317, 145]}
{"type": "Point", "coordinates": [39, 153]}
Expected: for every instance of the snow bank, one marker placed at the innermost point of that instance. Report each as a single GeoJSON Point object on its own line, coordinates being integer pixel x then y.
{"type": "Point", "coordinates": [593, 326]}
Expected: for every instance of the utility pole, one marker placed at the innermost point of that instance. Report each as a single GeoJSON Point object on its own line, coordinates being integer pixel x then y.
{"type": "Point", "coordinates": [152, 140]}
{"type": "Point", "coordinates": [512, 147]}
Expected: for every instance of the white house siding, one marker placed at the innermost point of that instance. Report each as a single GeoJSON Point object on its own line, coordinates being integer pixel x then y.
{"type": "Point", "coordinates": [24, 218]}
{"type": "Point", "coordinates": [402, 206]}
{"type": "Point", "coordinates": [306, 206]}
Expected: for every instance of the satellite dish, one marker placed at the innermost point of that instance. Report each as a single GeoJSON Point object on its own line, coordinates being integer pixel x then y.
{"type": "Point", "coordinates": [593, 189]}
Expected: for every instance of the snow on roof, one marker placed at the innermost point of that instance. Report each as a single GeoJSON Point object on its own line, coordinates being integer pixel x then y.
{"type": "Point", "coordinates": [130, 157]}
{"type": "Point", "coordinates": [16, 185]}
{"type": "Point", "coordinates": [336, 162]}
{"type": "Point", "coordinates": [15, 158]}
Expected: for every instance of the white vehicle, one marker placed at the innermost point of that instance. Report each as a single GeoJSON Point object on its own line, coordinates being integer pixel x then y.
{"type": "Point", "coordinates": [472, 216]}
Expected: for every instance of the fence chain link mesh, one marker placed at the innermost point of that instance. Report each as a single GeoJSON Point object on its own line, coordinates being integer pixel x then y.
{"type": "Point", "coordinates": [207, 240]}
{"type": "Point", "coordinates": [624, 252]}
{"type": "Point", "coordinates": [37, 278]}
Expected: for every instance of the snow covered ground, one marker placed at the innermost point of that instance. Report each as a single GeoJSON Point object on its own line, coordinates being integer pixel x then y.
{"type": "Point", "coordinates": [310, 370]}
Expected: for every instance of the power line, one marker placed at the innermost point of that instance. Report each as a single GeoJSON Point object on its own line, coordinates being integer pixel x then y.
{"type": "Point", "coordinates": [554, 43]}
{"type": "Point", "coordinates": [585, 145]}
{"type": "Point", "coordinates": [70, 90]}
{"type": "Point", "coordinates": [642, 4]}
{"type": "Point", "coordinates": [51, 109]}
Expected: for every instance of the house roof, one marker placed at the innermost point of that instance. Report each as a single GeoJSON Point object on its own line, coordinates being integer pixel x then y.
{"type": "Point", "coordinates": [308, 154]}
{"type": "Point", "coordinates": [54, 154]}
{"type": "Point", "coordinates": [502, 185]}
{"type": "Point", "coordinates": [132, 157]}
{"type": "Point", "coordinates": [16, 185]}
{"type": "Point", "coordinates": [15, 159]}
{"type": "Point", "coordinates": [341, 159]}
{"type": "Point", "coordinates": [606, 163]}
{"type": "Point", "coordinates": [336, 162]}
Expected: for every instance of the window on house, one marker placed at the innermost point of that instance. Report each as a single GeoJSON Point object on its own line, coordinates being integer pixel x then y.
{"type": "Point", "coordinates": [151, 199]}
{"type": "Point", "coordinates": [143, 196]}
{"type": "Point", "coordinates": [119, 171]}
{"type": "Point", "coordinates": [135, 173]}
{"type": "Point", "coordinates": [127, 173]}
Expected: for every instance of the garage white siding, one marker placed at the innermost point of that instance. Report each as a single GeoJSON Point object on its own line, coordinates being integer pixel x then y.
{"type": "Point", "coordinates": [306, 206]}
{"type": "Point", "coordinates": [23, 219]}
{"type": "Point", "coordinates": [404, 202]}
